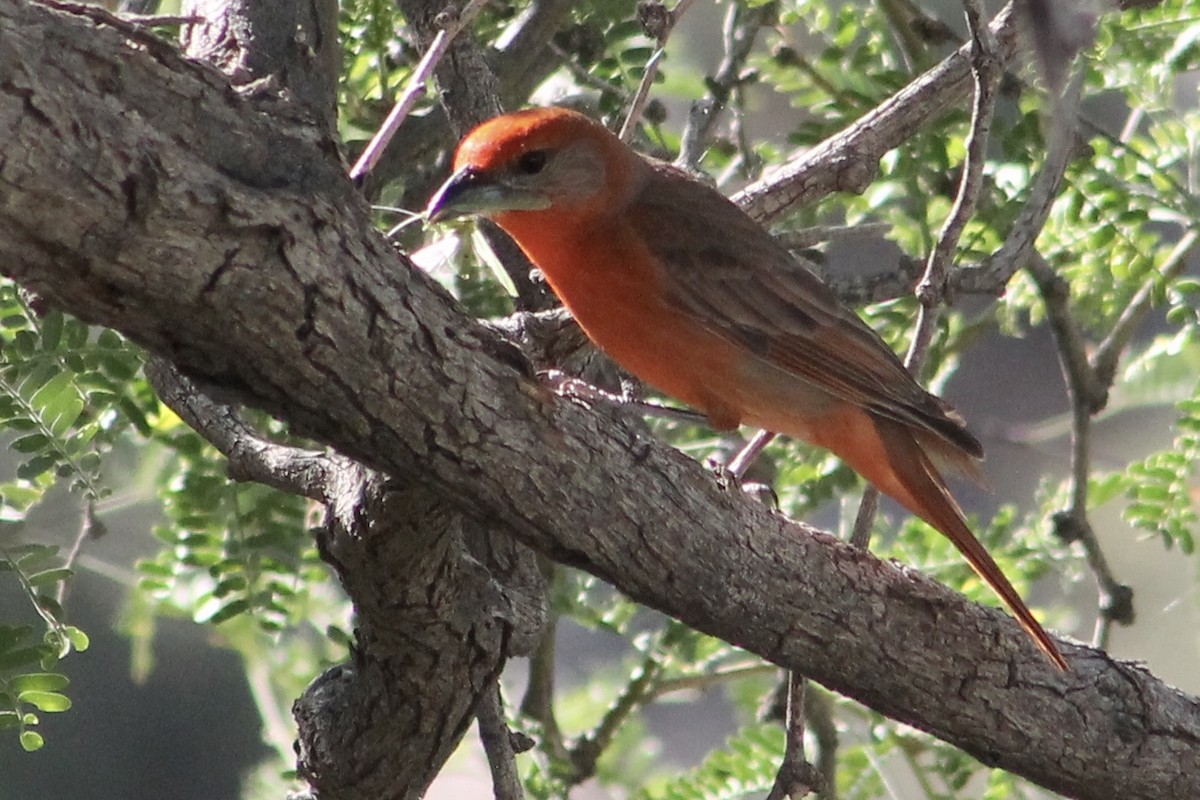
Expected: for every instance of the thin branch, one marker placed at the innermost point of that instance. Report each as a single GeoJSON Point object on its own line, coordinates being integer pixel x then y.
{"type": "Point", "coordinates": [906, 22]}
{"type": "Point", "coordinates": [995, 272]}
{"type": "Point", "coordinates": [819, 234]}
{"type": "Point", "coordinates": [864, 520]}
{"type": "Point", "coordinates": [738, 33]}
{"type": "Point", "coordinates": [818, 711]}
{"type": "Point", "coordinates": [161, 20]}
{"type": "Point", "coordinates": [580, 74]}
{"type": "Point", "coordinates": [307, 473]}
{"type": "Point", "coordinates": [1108, 353]}
{"type": "Point", "coordinates": [588, 748]}
{"type": "Point", "coordinates": [931, 291]}
{"type": "Point", "coordinates": [849, 160]}
{"type": "Point", "coordinates": [746, 457]}
{"type": "Point", "coordinates": [658, 23]}
{"type": "Point", "coordinates": [1072, 347]}
{"type": "Point", "coordinates": [1087, 396]}
{"type": "Point", "coordinates": [707, 680]}
{"type": "Point", "coordinates": [524, 52]}
{"type": "Point", "coordinates": [573, 388]}
{"type": "Point", "coordinates": [451, 24]}
{"type": "Point", "coordinates": [986, 69]}
{"type": "Point", "coordinates": [796, 777]}
{"type": "Point", "coordinates": [89, 528]}
{"type": "Point", "coordinates": [538, 702]}
{"type": "Point", "coordinates": [497, 743]}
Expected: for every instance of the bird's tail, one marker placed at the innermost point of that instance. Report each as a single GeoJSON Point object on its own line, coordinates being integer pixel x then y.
{"type": "Point", "coordinates": [917, 485]}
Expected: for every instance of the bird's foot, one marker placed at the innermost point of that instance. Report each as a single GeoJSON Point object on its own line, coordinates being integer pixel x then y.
{"type": "Point", "coordinates": [729, 480]}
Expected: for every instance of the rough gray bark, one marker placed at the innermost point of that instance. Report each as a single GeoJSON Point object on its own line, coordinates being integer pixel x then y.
{"type": "Point", "coordinates": [139, 192]}
{"type": "Point", "coordinates": [441, 602]}
{"type": "Point", "coordinates": [285, 48]}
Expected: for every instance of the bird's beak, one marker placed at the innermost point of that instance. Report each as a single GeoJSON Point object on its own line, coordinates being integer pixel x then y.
{"type": "Point", "coordinates": [470, 191]}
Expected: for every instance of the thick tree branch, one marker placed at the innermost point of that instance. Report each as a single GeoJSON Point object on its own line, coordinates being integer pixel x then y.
{"type": "Point", "coordinates": [283, 50]}
{"type": "Point", "coordinates": [140, 193]}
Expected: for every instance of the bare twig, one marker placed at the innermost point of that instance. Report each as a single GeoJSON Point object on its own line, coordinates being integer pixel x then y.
{"type": "Point", "coordinates": [818, 711]}
{"type": "Point", "coordinates": [931, 290]}
{"type": "Point", "coordinates": [868, 507]}
{"type": "Point", "coordinates": [796, 777]}
{"type": "Point", "coordinates": [161, 20]}
{"type": "Point", "coordinates": [1072, 348]}
{"type": "Point", "coordinates": [1087, 396]}
{"type": "Point", "coordinates": [524, 55]}
{"type": "Point", "coordinates": [588, 748]}
{"type": "Point", "coordinates": [307, 473]}
{"type": "Point", "coordinates": [818, 234]}
{"type": "Point", "coordinates": [996, 270]}
{"type": "Point", "coordinates": [1108, 353]}
{"type": "Point", "coordinates": [986, 69]}
{"type": "Point", "coordinates": [89, 528]}
{"type": "Point", "coordinates": [906, 22]}
{"type": "Point", "coordinates": [901, 281]}
{"type": "Point", "coordinates": [849, 160]}
{"type": "Point", "coordinates": [738, 33]}
{"type": "Point", "coordinates": [746, 457]}
{"type": "Point", "coordinates": [707, 680]}
{"type": "Point", "coordinates": [497, 743]}
{"type": "Point", "coordinates": [580, 73]}
{"type": "Point", "coordinates": [567, 386]}
{"type": "Point", "coordinates": [451, 23]}
{"type": "Point", "coordinates": [658, 23]}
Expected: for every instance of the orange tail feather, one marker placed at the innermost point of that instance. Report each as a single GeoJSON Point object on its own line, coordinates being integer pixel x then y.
{"type": "Point", "coordinates": [916, 484]}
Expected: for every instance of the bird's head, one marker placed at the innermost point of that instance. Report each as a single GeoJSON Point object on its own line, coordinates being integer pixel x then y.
{"type": "Point", "coordinates": [545, 158]}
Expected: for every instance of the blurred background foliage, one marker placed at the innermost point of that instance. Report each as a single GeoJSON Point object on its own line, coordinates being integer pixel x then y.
{"type": "Point", "coordinates": [84, 431]}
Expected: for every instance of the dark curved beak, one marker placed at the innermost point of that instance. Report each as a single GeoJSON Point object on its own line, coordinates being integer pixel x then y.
{"type": "Point", "coordinates": [467, 191]}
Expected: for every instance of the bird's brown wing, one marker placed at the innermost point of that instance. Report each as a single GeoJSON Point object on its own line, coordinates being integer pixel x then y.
{"type": "Point", "coordinates": [735, 279]}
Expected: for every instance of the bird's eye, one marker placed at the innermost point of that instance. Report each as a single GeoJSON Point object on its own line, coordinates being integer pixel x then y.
{"type": "Point", "coordinates": [532, 163]}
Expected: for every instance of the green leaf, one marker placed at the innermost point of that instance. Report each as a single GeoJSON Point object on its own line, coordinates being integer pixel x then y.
{"type": "Point", "coordinates": [38, 681]}
{"type": "Point", "coordinates": [52, 327]}
{"type": "Point", "coordinates": [51, 576]}
{"type": "Point", "coordinates": [49, 702]}
{"type": "Point", "coordinates": [31, 741]}
{"type": "Point", "coordinates": [229, 611]}
{"type": "Point", "coordinates": [30, 443]}
{"type": "Point", "coordinates": [50, 392]}
{"type": "Point", "coordinates": [36, 466]}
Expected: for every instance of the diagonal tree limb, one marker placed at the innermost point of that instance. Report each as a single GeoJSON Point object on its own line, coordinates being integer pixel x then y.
{"type": "Point", "coordinates": [848, 161]}
{"type": "Point", "coordinates": [280, 291]}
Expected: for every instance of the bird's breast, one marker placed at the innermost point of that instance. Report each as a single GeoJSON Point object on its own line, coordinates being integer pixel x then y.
{"type": "Point", "coordinates": [613, 285]}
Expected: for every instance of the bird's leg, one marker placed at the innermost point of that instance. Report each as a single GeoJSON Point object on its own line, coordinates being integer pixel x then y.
{"type": "Point", "coordinates": [746, 457]}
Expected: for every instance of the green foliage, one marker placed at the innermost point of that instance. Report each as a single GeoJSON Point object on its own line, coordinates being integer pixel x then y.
{"type": "Point", "coordinates": [744, 768]}
{"type": "Point", "coordinates": [1158, 487]}
{"type": "Point", "coordinates": [230, 548]}
{"type": "Point", "coordinates": [65, 397]}
{"type": "Point", "coordinates": [28, 680]}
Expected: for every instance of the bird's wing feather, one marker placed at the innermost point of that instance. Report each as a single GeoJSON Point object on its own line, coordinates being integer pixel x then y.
{"type": "Point", "coordinates": [749, 289]}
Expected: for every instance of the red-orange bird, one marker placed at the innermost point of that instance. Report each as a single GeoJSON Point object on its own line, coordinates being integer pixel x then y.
{"type": "Point", "coordinates": [680, 287]}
